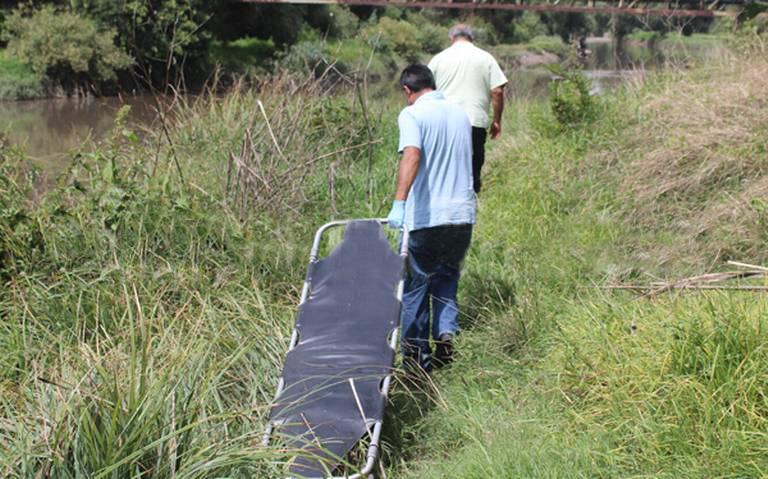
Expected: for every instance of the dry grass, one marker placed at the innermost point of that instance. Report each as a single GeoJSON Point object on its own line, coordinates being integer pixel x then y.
{"type": "Point", "coordinates": [697, 161]}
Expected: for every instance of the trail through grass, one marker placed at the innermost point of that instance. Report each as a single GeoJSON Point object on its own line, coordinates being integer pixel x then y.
{"type": "Point", "coordinates": [560, 378]}
{"type": "Point", "coordinates": [147, 299]}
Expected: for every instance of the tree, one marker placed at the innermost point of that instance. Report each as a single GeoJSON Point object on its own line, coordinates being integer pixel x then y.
{"type": "Point", "coordinates": [70, 50]}
{"type": "Point", "coordinates": [166, 37]}
{"type": "Point", "coordinates": [399, 36]}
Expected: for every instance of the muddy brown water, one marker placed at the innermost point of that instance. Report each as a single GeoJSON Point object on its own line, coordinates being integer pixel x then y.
{"type": "Point", "coordinates": [49, 130]}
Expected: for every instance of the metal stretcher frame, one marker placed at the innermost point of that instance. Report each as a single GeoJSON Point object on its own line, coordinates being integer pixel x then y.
{"type": "Point", "coordinates": [373, 447]}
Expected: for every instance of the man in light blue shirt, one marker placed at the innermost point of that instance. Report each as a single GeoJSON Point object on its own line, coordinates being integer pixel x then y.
{"type": "Point", "coordinates": [435, 200]}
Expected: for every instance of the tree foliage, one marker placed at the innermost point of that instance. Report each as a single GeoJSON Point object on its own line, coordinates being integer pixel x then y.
{"type": "Point", "coordinates": [528, 26]}
{"type": "Point", "coordinates": [164, 36]}
{"type": "Point", "coordinates": [399, 36]}
{"type": "Point", "coordinates": [71, 50]}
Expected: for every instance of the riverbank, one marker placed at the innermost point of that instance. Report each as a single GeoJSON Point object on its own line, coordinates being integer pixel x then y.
{"type": "Point", "coordinates": [48, 129]}
{"type": "Point", "coordinates": [250, 59]}
{"type": "Point", "coordinates": [559, 376]}
{"type": "Point", "coordinates": [147, 299]}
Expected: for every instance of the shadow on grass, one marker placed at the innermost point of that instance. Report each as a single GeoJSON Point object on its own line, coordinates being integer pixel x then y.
{"type": "Point", "coordinates": [413, 397]}
{"type": "Point", "coordinates": [486, 295]}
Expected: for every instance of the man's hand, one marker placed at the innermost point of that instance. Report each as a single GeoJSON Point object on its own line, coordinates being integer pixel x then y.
{"type": "Point", "coordinates": [495, 130]}
{"type": "Point", "coordinates": [396, 215]}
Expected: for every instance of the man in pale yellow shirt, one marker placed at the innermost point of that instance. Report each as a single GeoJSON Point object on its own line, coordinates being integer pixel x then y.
{"type": "Point", "coordinates": [471, 78]}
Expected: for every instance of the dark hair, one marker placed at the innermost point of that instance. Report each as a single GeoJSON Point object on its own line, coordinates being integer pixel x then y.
{"type": "Point", "coordinates": [417, 77]}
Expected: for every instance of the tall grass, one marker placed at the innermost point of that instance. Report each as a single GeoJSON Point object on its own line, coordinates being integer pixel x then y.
{"type": "Point", "coordinates": [557, 377]}
{"type": "Point", "coordinates": [148, 297]}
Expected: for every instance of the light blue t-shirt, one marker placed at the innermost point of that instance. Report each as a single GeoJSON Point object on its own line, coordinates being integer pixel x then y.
{"type": "Point", "coordinates": [442, 192]}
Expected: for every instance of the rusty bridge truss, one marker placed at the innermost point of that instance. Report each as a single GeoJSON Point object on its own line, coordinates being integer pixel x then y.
{"type": "Point", "coordinates": [670, 8]}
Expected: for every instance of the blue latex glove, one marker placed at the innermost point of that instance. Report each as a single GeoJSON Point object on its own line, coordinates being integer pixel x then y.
{"type": "Point", "coordinates": [396, 215]}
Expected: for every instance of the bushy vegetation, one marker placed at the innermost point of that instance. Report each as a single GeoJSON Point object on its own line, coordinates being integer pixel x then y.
{"type": "Point", "coordinates": [570, 98]}
{"type": "Point", "coordinates": [69, 50]}
{"type": "Point", "coordinates": [174, 44]}
{"type": "Point", "coordinates": [179, 43]}
{"type": "Point", "coordinates": [17, 81]}
{"type": "Point", "coordinates": [147, 297]}
{"type": "Point", "coordinates": [248, 56]}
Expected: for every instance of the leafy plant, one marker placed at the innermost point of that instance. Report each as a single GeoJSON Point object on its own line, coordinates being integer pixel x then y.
{"type": "Point", "coordinates": [343, 23]}
{"type": "Point", "coordinates": [570, 101]}
{"type": "Point", "coordinates": [71, 50]}
{"type": "Point", "coordinates": [165, 37]}
{"type": "Point", "coordinates": [528, 26]}
{"type": "Point", "coordinates": [399, 36]}
{"type": "Point", "coordinates": [17, 81]}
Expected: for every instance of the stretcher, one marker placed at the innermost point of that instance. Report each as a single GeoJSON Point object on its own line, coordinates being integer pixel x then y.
{"type": "Point", "coordinates": [338, 369]}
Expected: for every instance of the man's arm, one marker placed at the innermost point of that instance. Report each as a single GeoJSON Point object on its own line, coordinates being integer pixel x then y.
{"type": "Point", "coordinates": [409, 166]}
{"type": "Point", "coordinates": [497, 102]}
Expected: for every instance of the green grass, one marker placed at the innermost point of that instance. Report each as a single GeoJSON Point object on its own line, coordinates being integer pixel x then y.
{"type": "Point", "coordinates": [148, 297]}
{"type": "Point", "coordinates": [560, 378]}
{"type": "Point", "coordinates": [242, 56]}
{"type": "Point", "coordinates": [552, 44]}
{"type": "Point", "coordinates": [644, 36]}
{"type": "Point", "coordinates": [17, 82]}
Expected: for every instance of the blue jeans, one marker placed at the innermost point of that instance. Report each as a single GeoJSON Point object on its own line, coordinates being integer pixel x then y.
{"type": "Point", "coordinates": [434, 260]}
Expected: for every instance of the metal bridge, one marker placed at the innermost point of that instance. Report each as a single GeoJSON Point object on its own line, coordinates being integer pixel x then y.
{"type": "Point", "coordinates": [668, 8]}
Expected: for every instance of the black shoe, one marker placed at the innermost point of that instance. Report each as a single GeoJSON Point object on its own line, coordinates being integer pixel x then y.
{"type": "Point", "coordinates": [444, 350]}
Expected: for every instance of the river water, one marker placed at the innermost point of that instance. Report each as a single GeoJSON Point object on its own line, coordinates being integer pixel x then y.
{"type": "Point", "coordinates": [49, 129]}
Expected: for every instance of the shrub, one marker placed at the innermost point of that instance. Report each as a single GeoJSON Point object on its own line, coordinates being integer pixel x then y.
{"type": "Point", "coordinates": [433, 38]}
{"type": "Point", "coordinates": [571, 103]}
{"type": "Point", "coordinates": [485, 32]}
{"type": "Point", "coordinates": [305, 56]}
{"type": "Point", "coordinates": [528, 26]}
{"type": "Point", "coordinates": [343, 22]}
{"type": "Point", "coordinates": [398, 36]}
{"type": "Point", "coordinates": [550, 44]}
{"type": "Point", "coordinates": [244, 55]}
{"type": "Point", "coordinates": [69, 49]}
{"type": "Point", "coordinates": [17, 81]}
{"type": "Point", "coordinates": [165, 36]}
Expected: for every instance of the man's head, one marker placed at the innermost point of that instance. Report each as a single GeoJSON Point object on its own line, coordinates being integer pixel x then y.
{"type": "Point", "coordinates": [416, 80]}
{"type": "Point", "coordinates": [461, 32]}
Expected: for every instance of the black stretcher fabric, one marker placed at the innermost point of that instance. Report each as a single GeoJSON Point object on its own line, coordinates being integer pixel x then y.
{"type": "Point", "coordinates": [344, 327]}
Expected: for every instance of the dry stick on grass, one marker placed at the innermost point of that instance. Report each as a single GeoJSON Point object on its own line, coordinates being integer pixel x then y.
{"type": "Point", "coordinates": [304, 168]}
{"type": "Point", "coordinates": [638, 287]}
{"type": "Point", "coordinates": [315, 439]}
{"type": "Point", "coordinates": [271, 133]}
{"type": "Point", "coordinates": [332, 188]}
{"type": "Point", "coordinates": [702, 282]}
{"type": "Point", "coordinates": [747, 265]}
{"type": "Point", "coordinates": [711, 278]}
{"type": "Point", "coordinates": [360, 407]}
{"type": "Point", "coordinates": [369, 132]}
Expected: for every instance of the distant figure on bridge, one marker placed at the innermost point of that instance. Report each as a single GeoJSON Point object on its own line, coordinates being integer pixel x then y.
{"type": "Point", "coordinates": [472, 78]}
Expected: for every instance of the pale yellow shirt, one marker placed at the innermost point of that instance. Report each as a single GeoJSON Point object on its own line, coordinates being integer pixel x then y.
{"type": "Point", "coordinates": [466, 75]}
